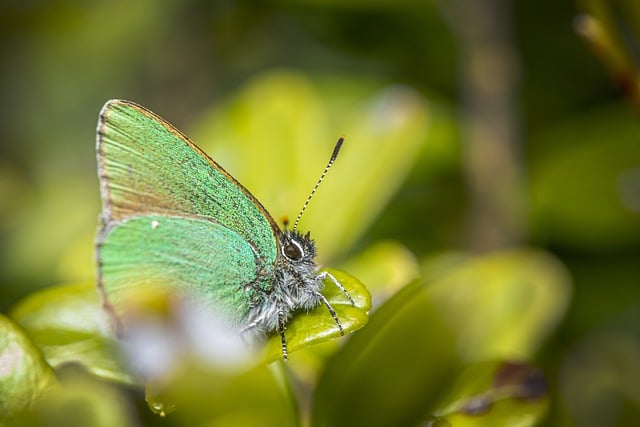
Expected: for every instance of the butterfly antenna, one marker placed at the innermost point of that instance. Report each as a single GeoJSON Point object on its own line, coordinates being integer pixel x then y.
{"type": "Point", "coordinates": [334, 155]}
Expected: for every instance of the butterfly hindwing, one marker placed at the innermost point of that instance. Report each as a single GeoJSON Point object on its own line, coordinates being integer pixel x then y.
{"type": "Point", "coordinates": [155, 252]}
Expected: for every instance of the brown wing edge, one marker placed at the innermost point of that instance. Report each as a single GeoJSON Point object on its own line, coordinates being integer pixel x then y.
{"type": "Point", "coordinates": [104, 113]}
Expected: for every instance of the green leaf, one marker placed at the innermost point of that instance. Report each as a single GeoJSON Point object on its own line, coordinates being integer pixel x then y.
{"type": "Point", "coordinates": [385, 267]}
{"type": "Point", "coordinates": [600, 376]}
{"type": "Point", "coordinates": [496, 394]}
{"type": "Point", "coordinates": [81, 400]}
{"type": "Point", "coordinates": [587, 168]}
{"type": "Point", "coordinates": [388, 373]}
{"type": "Point", "coordinates": [501, 305]}
{"type": "Point", "coordinates": [69, 325]}
{"type": "Point", "coordinates": [204, 395]}
{"type": "Point", "coordinates": [24, 375]}
{"type": "Point", "coordinates": [318, 325]}
{"type": "Point", "coordinates": [467, 308]}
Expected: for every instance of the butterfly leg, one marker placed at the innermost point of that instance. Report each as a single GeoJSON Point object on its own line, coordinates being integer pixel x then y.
{"type": "Point", "coordinates": [325, 275]}
{"type": "Point", "coordinates": [246, 329]}
{"type": "Point", "coordinates": [332, 311]}
{"type": "Point", "coordinates": [280, 329]}
{"type": "Point", "coordinates": [249, 326]}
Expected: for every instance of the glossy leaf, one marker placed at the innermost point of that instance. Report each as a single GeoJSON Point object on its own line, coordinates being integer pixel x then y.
{"type": "Point", "coordinates": [468, 308]}
{"type": "Point", "coordinates": [81, 400]}
{"type": "Point", "coordinates": [208, 396]}
{"type": "Point", "coordinates": [501, 305]}
{"type": "Point", "coordinates": [69, 325]}
{"type": "Point", "coordinates": [385, 267]}
{"type": "Point", "coordinates": [389, 372]}
{"type": "Point", "coordinates": [24, 375]}
{"type": "Point", "coordinates": [495, 394]}
{"type": "Point", "coordinates": [318, 325]}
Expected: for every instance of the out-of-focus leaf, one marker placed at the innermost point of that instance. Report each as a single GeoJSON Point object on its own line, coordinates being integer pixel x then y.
{"type": "Point", "coordinates": [501, 305]}
{"type": "Point", "coordinates": [470, 308]}
{"type": "Point", "coordinates": [600, 377]}
{"type": "Point", "coordinates": [318, 325]}
{"type": "Point", "coordinates": [278, 133]}
{"type": "Point", "coordinates": [206, 396]}
{"type": "Point", "coordinates": [360, 4]}
{"type": "Point", "coordinates": [81, 400]}
{"type": "Point", "coordinates": [58, 208]}
{"type": "Point", "coordinates": [12, 187]}
{"type": "Point", "coordinates": [24, 375]}
{"type": "Point", "coordinates": [496, 394]}
{"type": "Point", "coordinates": [34, 224]}
{"type": "Point", "coordinates": [69, 325]}
{"type": "Point", "coordinates": [390, 372]}
{"type": "Point", "coordinates": [385, 267]}
{"type": "Point", "coordinates": [585, 183]}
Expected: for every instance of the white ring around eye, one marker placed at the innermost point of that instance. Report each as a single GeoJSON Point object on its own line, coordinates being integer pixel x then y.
{"type": "Point", "coordinates": [298, 247]}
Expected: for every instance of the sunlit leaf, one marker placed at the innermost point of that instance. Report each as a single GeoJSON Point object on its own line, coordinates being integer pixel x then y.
{"type": "Point", "coordinates": [318, 325]}
{"type": "Point", "coordinates": [69, 325]}
{"type": "Point", "coordinates": [501, 305]}
{"type": "Point", "coordinates": [470, 308]}
{"type": "Point", "coordinates": [204, 395]}
{"type": "Point", "coordinates": [81, 400]}
{"type": "Point", "coordinates": [391, 371]}
{"type": "Point", "coordinates": [276, 135]}
{"type": "Point", "coordinates": [385, 267]}
{"type": "Point", "coordinates": [24, 375]}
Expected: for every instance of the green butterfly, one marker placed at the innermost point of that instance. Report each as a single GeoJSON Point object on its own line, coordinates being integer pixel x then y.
{"type": "Point", "coordinates": [173, 219]}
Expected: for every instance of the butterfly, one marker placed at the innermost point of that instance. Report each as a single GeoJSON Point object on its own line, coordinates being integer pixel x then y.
{"type": "Point", "coordinates": [173, 219]}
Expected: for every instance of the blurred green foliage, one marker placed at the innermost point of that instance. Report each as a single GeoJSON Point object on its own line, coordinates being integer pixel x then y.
{"type": "Point", "coordinates": [542, 332]}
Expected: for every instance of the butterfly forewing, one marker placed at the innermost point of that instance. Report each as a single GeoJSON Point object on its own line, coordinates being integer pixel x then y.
{"type": "Point", "coordinates": [146, 166]}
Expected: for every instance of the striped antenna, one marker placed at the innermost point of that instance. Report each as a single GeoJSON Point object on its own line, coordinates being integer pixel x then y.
{"type": "Point", "coordinates": [334, 155]}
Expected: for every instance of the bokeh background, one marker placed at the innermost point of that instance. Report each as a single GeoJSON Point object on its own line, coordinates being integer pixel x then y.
{"type": "Point", "coordinates": [474, 129]}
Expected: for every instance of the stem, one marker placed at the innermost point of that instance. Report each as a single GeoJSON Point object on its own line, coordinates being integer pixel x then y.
{"type": "Point", "coordinates": [488, 78]}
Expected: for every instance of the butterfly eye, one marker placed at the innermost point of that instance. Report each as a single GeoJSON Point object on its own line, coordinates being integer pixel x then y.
{"type": "Point", "coordinates": [293, 251]}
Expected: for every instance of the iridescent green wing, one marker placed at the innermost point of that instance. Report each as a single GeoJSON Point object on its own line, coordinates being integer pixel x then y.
{"type": "Point", "coordinates": [172, 217]}
{"type": "Point", "coordinates": [146, 166]}
{"type": "Point", "coordinates": [182, 256]}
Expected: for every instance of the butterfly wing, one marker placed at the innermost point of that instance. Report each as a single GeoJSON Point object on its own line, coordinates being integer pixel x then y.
{"type": "Point", "coordinates": [146, 166]}
{"type": "Point", "coordinates": [184, 256]}
{"type": "Point", "coordinates": [171, 215]}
